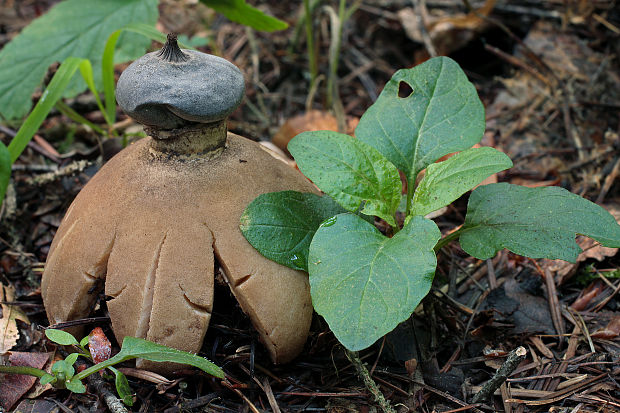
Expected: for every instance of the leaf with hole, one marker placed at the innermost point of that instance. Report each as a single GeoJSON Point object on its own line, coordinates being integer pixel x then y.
{"type": "Point", "coordinates": [534, 222]}
{"type": "Point", "coordinates": [441, 115]}
{"type": "Point", "coordinates": [280, 225]}
{"type": "Point", "coordinates": [350, 171]}
{"type": "Point", "coordinates": [72, 28]}
{"type": "Point", "coordinates": [364, 283]}
{"type": "Point", "coordinates": [445, 181]}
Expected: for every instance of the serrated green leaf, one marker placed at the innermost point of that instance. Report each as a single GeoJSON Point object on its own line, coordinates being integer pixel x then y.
{"type": "Point", "coordinates": [77, 28]}
{"type": "Point", "coordinates": [349, 171]}
{"type": "Point", "coordinates": [442, 115]}
{"type": "Point", "coordinates": [445, 181]}
{"type": "Point", "coordinates": [75, 386]}
{"type": "Point", "coordinates": [241, 12]}
{"type": "Point", "coordinates": [5, 170]}
{"type": "Point", "coordinates": [122, 387]}
{"type": "Point", "coordinates": [364, 283]}
{"type": "Point", "coordinates": [61, 337]}
{"type": "Point", "coordinates": [534, 222]}
{"type": "Point", "coordinates": [280, 225]}
{"type": "Point", "coordinates": [139, 348]}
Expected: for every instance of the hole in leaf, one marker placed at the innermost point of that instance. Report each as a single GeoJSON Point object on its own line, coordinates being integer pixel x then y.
{"type": "Point", "coordinates": [404, 90]}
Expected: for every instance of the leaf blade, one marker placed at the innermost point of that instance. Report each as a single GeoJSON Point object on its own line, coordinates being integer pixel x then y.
{"type": "Point", "coordinates": [446, 181]}
{"type": "Point", "coordinates": [280, 225]}
{"type": "Point", "coordinates": [441, 116]}
{"type": "Point", "coordinates": [534, 222]}
{"type": "Point", "coordinates": [241, 12]}
{"type": "Point", "coordinates": [349, 171]}
{"type": "Point", "coordinates": [364, 283]}
{"type": "Point", "coordinates": [72, 28]}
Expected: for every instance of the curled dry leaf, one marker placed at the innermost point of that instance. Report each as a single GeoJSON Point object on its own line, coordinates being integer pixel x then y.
{"type": "Point", "coordinates": [99, 346]}
{"type": "Point", "coordinates": [9, 333]}
{"type": "Point", "coordinates": [611, 331]}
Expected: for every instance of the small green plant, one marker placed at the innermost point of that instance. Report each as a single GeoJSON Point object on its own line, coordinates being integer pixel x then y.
{"type": "Point", "coordinates": [365, 283]}
{"type": "Point", "coordinates": [63, 374]}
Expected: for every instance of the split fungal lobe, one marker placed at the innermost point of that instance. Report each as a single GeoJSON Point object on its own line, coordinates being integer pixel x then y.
{"type": "Point", "coordinates": [150, 224]}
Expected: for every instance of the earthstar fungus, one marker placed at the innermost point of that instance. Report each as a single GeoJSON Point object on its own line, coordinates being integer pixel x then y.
{"type": "Point", "coordinates": [150, 225]}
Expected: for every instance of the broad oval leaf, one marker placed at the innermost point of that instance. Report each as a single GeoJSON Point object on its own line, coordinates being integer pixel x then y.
{"type": "Point", "coordinates": [364, 283]}
{"type": "Point", "coordinates": [349, 171]}
{"type": "Point", "coordinates": [61, 337]}
{"type": "Point", "coordinates": [77, 28]}
{"type": "Point", "coordinates": [534, 222]}
{"type": "Point", "coordinates": [442, 115]}
{"type": "Point", "coordinates": [445, 181]}
{"type": "Point", "coordinates": [122, 387]}
{"type": "Point", "coordinates": [280, 225]}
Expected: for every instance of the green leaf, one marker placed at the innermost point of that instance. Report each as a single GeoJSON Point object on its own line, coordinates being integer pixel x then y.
{"type": "Point", "coordinates": [50, 96]}
{"type": "Point", "coordinates": [138, 348]}
{"type": "Point", "coordinates": [442, 115]}
{"type": "Point", "coordinates": [534, 222]}
{"type": "Point", "coordinates": [349, 171]}
{"type": "Point", "coordinates": [61, 337]}
{"type": "Point", "coordinates": [84, 342]}
{"type": "Point", "coordinates": [75, 385]}
{"type": "Point", "coordinates": [364, 283]}
{"type": "Point", "coordinates": [77, 28]}
{"type": "Point", "coordinates": [122, 387]}
{"type": "Point", "coordinates": [71, 358]}
{"type": "Point", "coordinates": [63, 370]}
{"type": "Point", "coordinates": [241, 12]}
{"type": "Point", "coordinates": [5, 170]}
{"type": "Point", "coordinates": [445, 181]}
{"type": "Point", "coordinates": [280, 225]}
{"type": "Point", "coordinates": [47, 378]}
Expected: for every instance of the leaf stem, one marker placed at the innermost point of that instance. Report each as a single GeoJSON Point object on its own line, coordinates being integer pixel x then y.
{"type": "Point", "coordinates": [448, 238]}
{"type": "Point", "coordinates": [30, 371]}
{"type": "Point", "coordinates": [370, 384]}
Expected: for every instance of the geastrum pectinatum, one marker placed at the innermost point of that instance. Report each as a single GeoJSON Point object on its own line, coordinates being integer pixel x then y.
{"type": "Point", "coordinates": [150, 225]}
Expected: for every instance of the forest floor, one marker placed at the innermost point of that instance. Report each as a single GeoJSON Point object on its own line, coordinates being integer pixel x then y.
{"type": "Point", "coordinates": [549, 76]}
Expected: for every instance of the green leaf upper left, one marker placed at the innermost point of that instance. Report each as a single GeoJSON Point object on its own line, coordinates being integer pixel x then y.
{"type": "Point", "coordinates": [363, 283]}
{"type": "Point", "coordinates": [349, 171]}
{"type": "Point", "coordinates": [534, 222]}
{"type": "Point", "coordinates": [77, 28]}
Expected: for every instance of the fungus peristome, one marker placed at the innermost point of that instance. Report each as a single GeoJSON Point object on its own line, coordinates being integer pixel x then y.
{"type": "Point", "coordinates": [151, 223]}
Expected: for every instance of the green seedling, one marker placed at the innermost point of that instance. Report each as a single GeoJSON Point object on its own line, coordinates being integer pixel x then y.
{"type": "Point", "coordinates": [365, 283]}
{"type": "Point", "coordinates": [63, 374]}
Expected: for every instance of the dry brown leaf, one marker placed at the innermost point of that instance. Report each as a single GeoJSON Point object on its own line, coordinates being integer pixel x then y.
{"type": "Point", "coordinates": [611, 331]}
{"type": "Point", "coordinates": [309, 121]}
{"type": "Point", "coordinates": [9, 333]}
{"type": "Point", "coordinates": [14, 386]}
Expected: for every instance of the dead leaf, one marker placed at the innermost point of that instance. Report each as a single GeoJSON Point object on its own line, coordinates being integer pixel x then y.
{"type": "Point", "coordinates": [14, 386]}
{"type": "Point", "coordinates": [36, 406]}
{"type": "Point", "coordinates": [99, 345]}
{"type": "Point", "coordinates": [587, 295]}
{"type": "Point", "coordinates": [9, 333]}
{"type": "Point", "coordinates": [309, 121]}
{"type": "Point", "coordinates": [611, 331]}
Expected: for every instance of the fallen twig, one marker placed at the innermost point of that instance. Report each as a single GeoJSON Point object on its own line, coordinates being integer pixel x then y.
{"type": "Point", "coordinates": [515, 357]}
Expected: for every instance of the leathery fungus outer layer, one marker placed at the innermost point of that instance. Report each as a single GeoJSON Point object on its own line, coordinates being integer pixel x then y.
{"type": "Point", "coordinates": [150, 224]}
